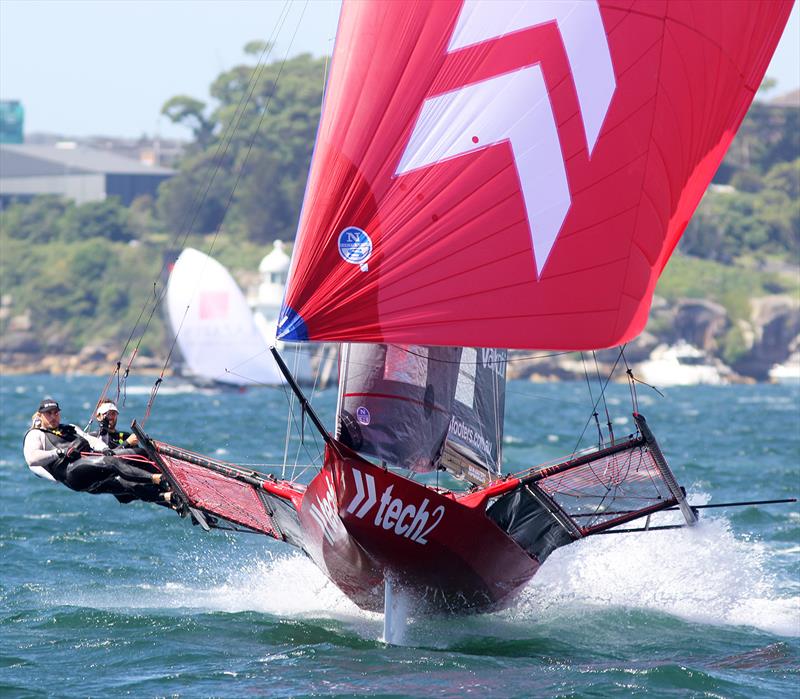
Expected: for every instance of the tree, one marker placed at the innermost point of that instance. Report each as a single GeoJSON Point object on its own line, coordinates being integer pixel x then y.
{"type": "Point", "coordinates": [189, 112]}
{"type": "Point", "coordinates": [98, 219]}
{"type": "Point", "coordinates": [38, 221]}
{"type": "Point", "coordinates": [251, 165]}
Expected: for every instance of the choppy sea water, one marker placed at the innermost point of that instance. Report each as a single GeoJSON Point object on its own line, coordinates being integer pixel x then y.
{"type": "Point", "coordinates": [105, 600]}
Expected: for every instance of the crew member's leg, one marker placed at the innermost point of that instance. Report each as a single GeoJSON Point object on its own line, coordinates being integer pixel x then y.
{"type": "Point", "coordinates": [107, 474]}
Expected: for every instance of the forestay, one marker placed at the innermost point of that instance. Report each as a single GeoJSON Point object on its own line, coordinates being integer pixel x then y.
{"type": "Point", "coordinates": [514, 174]}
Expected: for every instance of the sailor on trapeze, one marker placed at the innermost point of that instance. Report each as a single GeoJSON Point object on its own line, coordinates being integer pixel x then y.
{"type": "Point", "coordinates": [106, 416]}
{"type": "Point", "coordinates": [56, 451]}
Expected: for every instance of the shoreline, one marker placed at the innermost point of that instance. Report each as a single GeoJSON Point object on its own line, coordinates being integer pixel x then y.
{"type": "Point", "coordinates": [62, 365]}
{"type": "Point", "coordinates": [70, 365]}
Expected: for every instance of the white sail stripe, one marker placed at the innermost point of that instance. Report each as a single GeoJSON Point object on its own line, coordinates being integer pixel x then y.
{"type": "Point", "coordinates": [583, 34]}
{"type": "Point", "coordinates": [465, 384]}
{"type": "Point", "coordinates": [490, 112]}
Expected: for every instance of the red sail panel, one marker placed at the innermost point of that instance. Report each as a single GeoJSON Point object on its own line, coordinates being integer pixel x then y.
{"type": "Point", "coordinates": [515, 174]}
{"type": "Point", "coordinates": [220, 496]}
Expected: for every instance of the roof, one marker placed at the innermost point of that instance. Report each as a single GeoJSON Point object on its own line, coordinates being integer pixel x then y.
{"type": "Point", "coordinates": [790, 99]}
{"type": "Point", "coordinates": [34, 160]}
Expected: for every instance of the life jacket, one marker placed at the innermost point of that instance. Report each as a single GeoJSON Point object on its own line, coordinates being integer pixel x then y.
{"type": "Point", "coordinates": [114, 438]}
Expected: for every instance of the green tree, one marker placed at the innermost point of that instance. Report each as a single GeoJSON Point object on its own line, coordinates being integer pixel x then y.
{"type": "Point", "coordinates": [251, 168]}
{"type": "Point", "coordinates": [189, 112]}
{"type": "Point", "coordinates": [98, 219]}
{"type": "Point", "coordinates": [38, 221]}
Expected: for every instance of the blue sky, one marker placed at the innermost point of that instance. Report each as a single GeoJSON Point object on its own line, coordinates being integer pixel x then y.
{"type": "Point", "coordinates": [92, 67]}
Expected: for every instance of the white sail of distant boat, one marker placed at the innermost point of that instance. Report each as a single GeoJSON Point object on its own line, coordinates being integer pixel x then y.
{"type": "Point", "coordinates": [215, 329]}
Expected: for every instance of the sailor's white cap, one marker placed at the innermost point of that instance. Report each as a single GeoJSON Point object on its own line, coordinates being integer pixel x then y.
{"type": "Point", "coordinates": [106, 406]}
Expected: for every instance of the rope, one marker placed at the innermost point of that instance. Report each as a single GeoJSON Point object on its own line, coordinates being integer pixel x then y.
{"type": "Point", "coordinates": [605, 404]}
{"type": "Point", "coordinates": [254, 79]}
{"type": "Point", "coordinates": [591, 400]}
{"type": "Point", "coordinates": [594, 405]}
{"type": "Point", "coordinates": [193, 210]}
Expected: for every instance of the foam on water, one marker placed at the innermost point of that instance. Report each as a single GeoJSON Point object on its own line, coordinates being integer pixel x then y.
{"type": "Point", "coordinates": [289, 585]}
{"type": "Point", "coordinates": [704, 574]}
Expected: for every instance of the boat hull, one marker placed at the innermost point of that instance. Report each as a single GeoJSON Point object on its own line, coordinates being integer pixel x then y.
{"type": "Point", "coordinates": [363, 524]}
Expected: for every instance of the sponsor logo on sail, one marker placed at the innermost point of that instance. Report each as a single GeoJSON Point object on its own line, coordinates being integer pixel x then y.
{"type": "Point", "coordinates": [469, 435]}
{"type": "Point", "coordinates": [411, 521]}
{"type": "Point", "coordinates": [362, 415]}
{"type": "Point", "coordinates": [494, 359]}
{"type": "Point", "coordinates": [355, 246]}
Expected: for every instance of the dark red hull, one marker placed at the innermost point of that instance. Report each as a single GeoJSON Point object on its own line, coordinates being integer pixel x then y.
{"type": "Point", "coordinates": [363, 523]}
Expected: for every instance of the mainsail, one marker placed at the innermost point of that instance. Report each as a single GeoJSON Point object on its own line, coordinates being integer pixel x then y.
{"type": "Point", "coordinates": [515, 174]}
{"type": "Point", "coordinates": [214, 326]}
{"type": "Point", "coordinates": [423, 407]}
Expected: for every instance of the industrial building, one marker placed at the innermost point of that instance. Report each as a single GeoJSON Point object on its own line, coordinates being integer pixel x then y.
{"type": "Point", "coordinates": [75, 172]}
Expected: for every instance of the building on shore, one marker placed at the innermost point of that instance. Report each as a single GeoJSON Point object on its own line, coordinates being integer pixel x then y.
{"type": "Point", "coordinates": [75, 172]}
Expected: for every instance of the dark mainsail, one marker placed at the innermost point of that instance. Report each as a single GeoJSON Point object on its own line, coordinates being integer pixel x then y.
{"type": "Point", "coordinates": [416, 406]}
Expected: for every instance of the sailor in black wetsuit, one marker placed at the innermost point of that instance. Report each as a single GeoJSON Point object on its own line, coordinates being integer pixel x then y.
{"type": "Point", "coordinates": [56, 451]}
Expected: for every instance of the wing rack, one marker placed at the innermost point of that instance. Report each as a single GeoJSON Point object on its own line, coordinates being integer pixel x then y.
{"type": "Point", "coordinates": [216, 490]}
{"type": "Point", "coordinates": [608, 487]}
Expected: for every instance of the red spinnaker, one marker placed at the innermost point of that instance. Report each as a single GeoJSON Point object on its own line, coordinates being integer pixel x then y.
{"type": "Point", "coordinates": [515, 174]}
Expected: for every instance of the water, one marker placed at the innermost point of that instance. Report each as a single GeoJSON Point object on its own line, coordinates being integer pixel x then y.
{"type": "Point", "coordinates": [100, 599]}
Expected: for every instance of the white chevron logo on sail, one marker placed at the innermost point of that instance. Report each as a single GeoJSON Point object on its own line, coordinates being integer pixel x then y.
{"type": "Point", "coordinates": [360, 493]}
{"type": "Point", "coordinates": [490, 112]}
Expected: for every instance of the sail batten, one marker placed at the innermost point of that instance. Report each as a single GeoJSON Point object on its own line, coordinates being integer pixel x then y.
{"type": "Point", "coordinates": [481, 178]}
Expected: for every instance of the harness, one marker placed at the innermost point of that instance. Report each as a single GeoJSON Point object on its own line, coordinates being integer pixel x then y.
{"type": "Point", "coordinates": [59, 438]}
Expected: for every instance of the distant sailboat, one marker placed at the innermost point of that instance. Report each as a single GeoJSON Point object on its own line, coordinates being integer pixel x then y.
{"type": "Point", "coordinates": [215, 329]}
{"type": "Point", "coordinates": [682, 364]}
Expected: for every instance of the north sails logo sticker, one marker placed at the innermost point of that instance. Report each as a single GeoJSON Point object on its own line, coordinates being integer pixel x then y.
{"type": "Point", "coordinates": [355, 247]}
{"type": "Point", "coordinates": [414, 522]}
{"type": "Point", "coordinates": [515, 107]}
{"type": "Point", "coordinates": [362, 415]}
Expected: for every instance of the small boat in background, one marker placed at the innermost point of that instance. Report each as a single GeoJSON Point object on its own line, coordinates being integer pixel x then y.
{"type": "Point", "coordinates": [682, 364]}
{"type": "Point", "coordinates": [787, 372]}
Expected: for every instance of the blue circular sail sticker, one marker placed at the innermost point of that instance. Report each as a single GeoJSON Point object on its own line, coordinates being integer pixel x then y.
{"type": "Point", "coordinates": [362, 415]}
{"type": "Point", "coordinates": [355, 246]}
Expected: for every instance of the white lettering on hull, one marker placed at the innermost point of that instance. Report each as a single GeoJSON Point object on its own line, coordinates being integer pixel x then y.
{"type": "Point", "coordinates": [414, 522]}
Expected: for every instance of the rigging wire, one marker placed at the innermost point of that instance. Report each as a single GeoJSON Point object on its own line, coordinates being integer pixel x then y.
{"type": "Point", "coordinates": [192, 211]}
{"type": "Point", "coordinates": [591, 400]}
{"type": "Point", "coordinates": [605, 404]}
{"type": "Point", "coordinates": [595, 403]}
{"type": "Point", "coordinates": [255, 77]}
